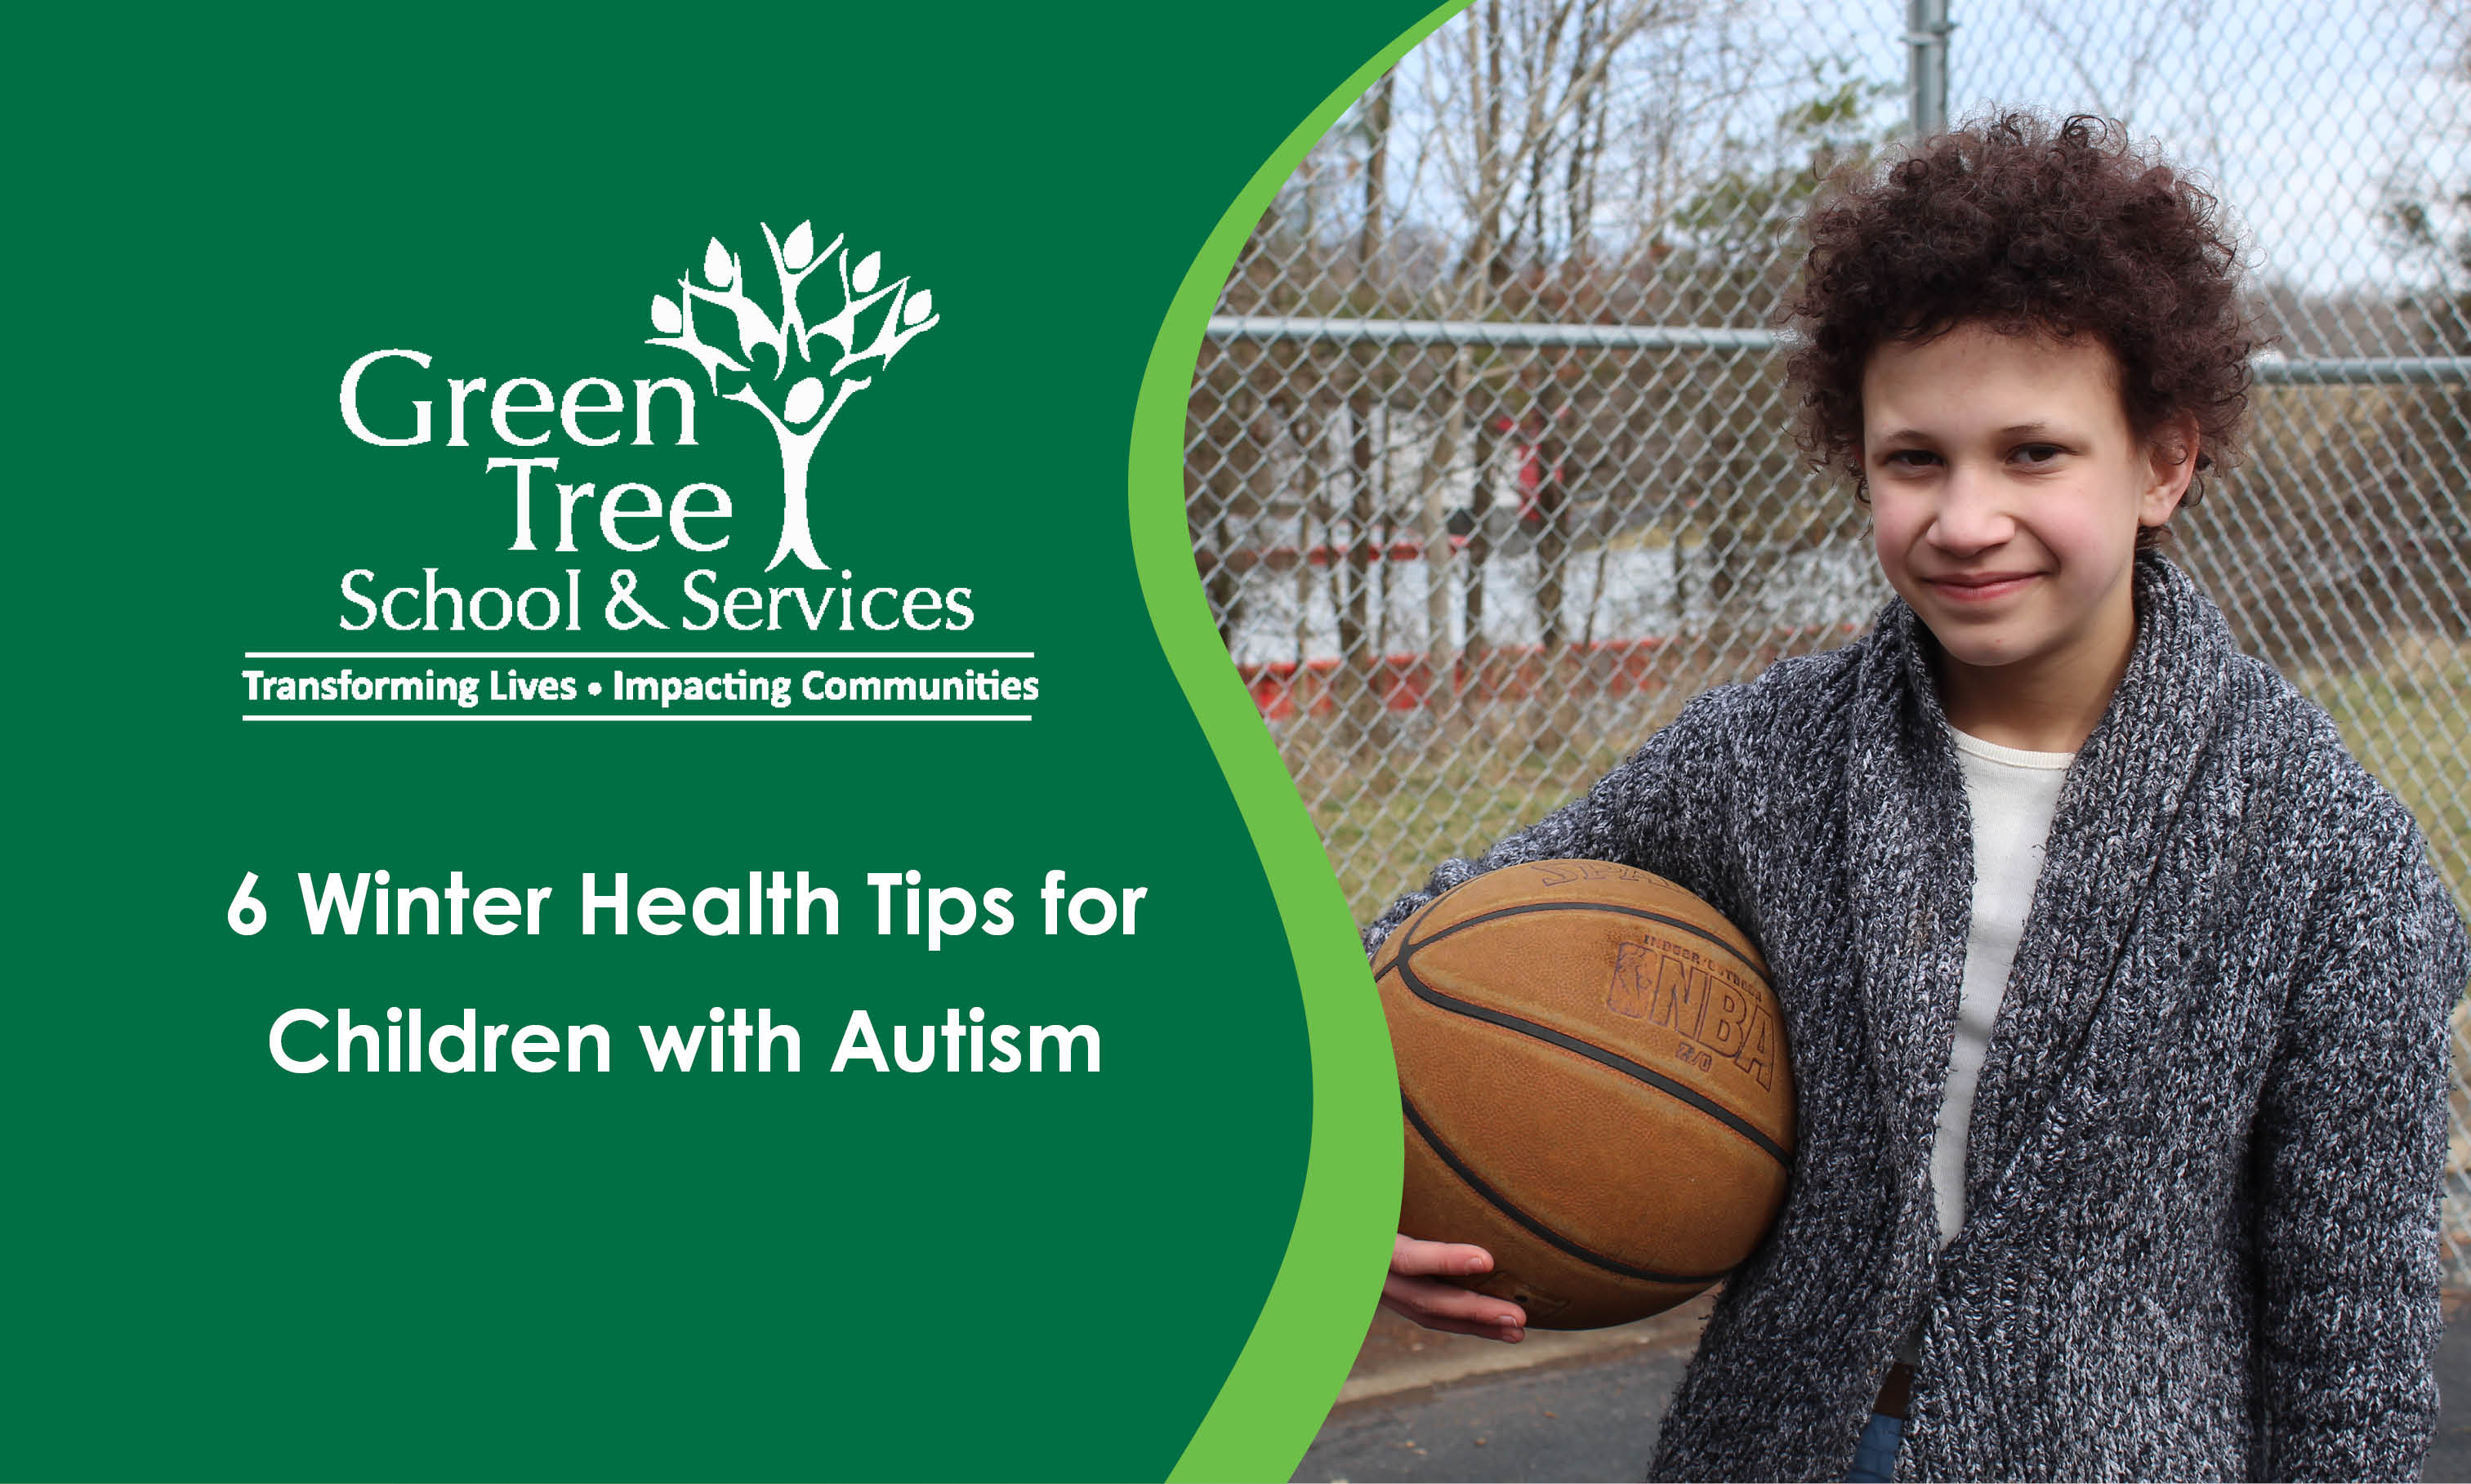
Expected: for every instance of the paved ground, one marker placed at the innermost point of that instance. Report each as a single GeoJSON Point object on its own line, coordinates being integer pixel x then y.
{"type": "Point", "coordinates": [1419, 1408]}
{"type": "Point", "coordinates": [1587, 1418]}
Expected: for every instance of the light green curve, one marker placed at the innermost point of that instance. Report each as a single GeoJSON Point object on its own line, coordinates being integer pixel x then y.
{"type": "Point", "coordinates": [1311, 1323]}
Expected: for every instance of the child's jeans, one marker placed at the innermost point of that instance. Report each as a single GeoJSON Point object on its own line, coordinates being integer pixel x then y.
{"type": "Point", "coordinates": [1875, 1457]}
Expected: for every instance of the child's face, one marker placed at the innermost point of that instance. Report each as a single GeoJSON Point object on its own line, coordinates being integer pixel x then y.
{"type": "Point", "coordinates": [2006, 493]}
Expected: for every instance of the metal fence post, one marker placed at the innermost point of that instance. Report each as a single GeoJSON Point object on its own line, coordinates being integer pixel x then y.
{"type": "Point", "coordinates": [1926, 29]}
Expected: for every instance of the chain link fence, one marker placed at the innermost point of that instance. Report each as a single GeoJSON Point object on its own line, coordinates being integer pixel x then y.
{"type": "Point", "coordinates": [1488, 459]}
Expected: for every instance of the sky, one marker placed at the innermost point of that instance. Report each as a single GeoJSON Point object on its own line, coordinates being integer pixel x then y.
{"type": "Point", "coordinates": [2299, 116]}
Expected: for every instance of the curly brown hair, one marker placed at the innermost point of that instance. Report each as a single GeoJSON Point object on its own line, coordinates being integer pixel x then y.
{"type": "Point", "coordinates": [2025, 227]}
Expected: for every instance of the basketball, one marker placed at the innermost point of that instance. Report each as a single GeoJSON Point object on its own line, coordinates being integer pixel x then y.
{"type": "Point", "coordinates": [1593, 1076]}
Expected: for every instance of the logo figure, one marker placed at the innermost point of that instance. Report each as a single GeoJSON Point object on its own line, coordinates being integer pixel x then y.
{"type": "Point", "coordinates": [875, 319]}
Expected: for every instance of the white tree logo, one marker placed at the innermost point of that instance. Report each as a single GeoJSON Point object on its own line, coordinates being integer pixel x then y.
{"type": "Point", "coordinates": [803, 413]}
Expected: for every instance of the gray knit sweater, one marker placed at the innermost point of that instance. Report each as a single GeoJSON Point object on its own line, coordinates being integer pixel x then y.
{"type": "Point", "coordinates": [2202, 1174]}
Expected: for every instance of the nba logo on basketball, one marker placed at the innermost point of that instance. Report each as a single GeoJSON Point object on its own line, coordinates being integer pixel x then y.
{"type": "Point", "coordinates": [1667, 989]}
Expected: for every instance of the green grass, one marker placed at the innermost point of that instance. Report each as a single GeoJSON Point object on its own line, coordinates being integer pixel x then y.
{"type": "Point", "coordinates": [1387, 816]}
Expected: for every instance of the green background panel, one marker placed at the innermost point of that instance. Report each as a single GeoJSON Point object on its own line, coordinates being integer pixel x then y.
{"type": "Point", "coordinates": [222, 1270]}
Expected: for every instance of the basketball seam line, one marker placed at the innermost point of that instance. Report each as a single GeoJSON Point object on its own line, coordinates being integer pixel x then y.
{"type": "Point", "coordinates": [1493, 1197]}
{"type": "Point", "coordinates": [1622, 1064]}
{"type": "Point", "coordinates": [1693, 928]}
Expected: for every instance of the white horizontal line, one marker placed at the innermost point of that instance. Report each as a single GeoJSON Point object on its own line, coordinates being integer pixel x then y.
{"type": "Point", "coordinates": [552, 716]}
{"type": "Point", "coordinates": [638, 654]}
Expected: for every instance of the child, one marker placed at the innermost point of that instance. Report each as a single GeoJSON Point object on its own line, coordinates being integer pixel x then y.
{"type": "Point", "coordinates": [2115, 990]}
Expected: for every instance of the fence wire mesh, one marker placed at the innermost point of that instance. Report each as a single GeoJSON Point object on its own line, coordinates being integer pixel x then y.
{"type": "Point", "coordinates": [1488, 459]}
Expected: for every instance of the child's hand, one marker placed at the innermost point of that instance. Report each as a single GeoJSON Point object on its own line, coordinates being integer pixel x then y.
{"type": "Point", "coordinates": [1414, 1289]}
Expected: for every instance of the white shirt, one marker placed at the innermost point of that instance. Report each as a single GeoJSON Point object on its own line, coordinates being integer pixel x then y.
{"type": "Point", "coordinates": [2011, 795]}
